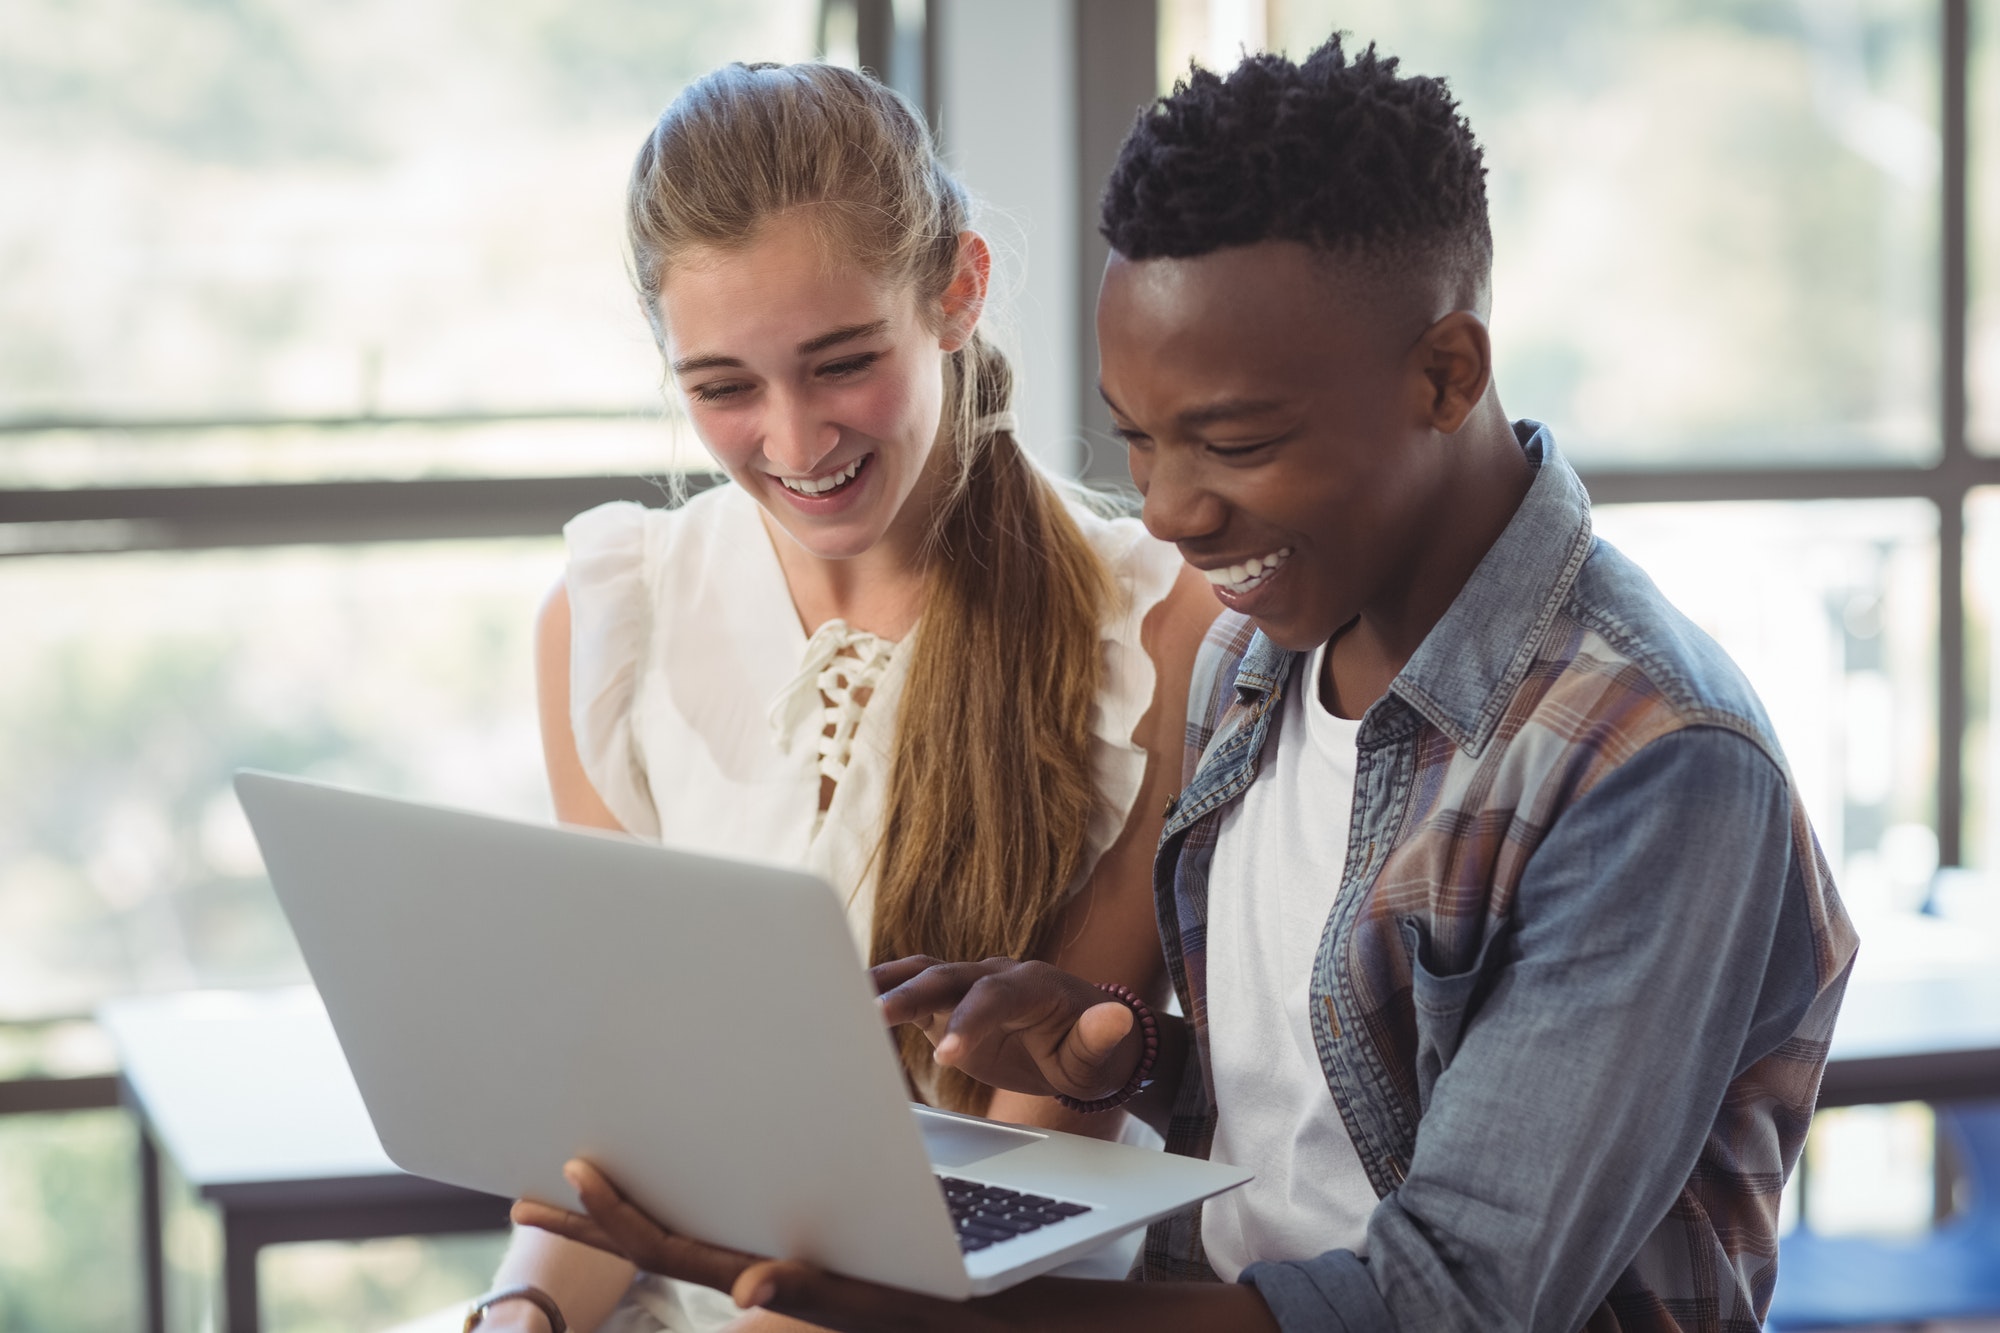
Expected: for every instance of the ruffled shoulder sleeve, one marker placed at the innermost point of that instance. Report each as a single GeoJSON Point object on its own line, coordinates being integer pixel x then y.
{"type": "Point", "coordinates": [1143, 571]}
{"type": "Point", "coordinates": [611, 627]}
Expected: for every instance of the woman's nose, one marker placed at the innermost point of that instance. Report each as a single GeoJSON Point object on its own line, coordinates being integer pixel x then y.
{"type": "Point", "coordinates": [797, 437]}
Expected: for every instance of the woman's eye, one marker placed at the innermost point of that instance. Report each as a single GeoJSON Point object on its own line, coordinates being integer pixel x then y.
{"type": "Point", "coordinates": [852, 365]}
{"type": "Point", "coordinates": [715, 393]}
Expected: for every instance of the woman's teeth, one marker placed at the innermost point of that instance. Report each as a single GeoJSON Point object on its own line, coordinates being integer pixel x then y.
{"type": "Point", "coordinates": [833, 481]}
{"type": "Point", "coordinates": [1252, 573]}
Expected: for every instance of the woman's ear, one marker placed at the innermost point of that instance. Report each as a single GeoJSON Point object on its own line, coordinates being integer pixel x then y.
{"type": "Point", "coordinates": [965, 297]}
{"type": "Point", "coordinates": [1455, 357]}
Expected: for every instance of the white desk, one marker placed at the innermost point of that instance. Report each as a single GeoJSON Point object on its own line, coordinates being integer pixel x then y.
{"type": "Point", "coordinates": [250, 1097]}
{"type": "Point", "coordinates": [1920, 1039]}
{"type": "Point", "coordinates": [1921, 1018]}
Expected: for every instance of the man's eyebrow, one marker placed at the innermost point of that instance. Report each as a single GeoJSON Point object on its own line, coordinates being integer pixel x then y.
{"type": "Point", "coordinates": [831, 338]}
{"type": "Point", "coordinates": [1226, 409]}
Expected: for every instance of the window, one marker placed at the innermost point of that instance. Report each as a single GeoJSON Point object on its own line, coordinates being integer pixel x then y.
{"type": "Point", "coordinates": [285, 266]}
{"type": "Point", "coordinates": [314, 329]}
{"type": "Point", "coordinates": [1730, 266]}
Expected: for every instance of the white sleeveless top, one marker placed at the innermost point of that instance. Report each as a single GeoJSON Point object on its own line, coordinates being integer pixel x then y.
{"type": "Point", "coordinates": [701, 708]}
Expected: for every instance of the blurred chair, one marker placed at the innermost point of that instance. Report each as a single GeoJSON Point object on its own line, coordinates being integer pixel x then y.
{"type": "Point", "coordinates": [1951, 1273]}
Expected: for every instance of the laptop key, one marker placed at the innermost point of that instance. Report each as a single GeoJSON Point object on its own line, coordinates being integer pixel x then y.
{"type": "Point", "coordinates": [985, 1231]}
{"type": "Point", "coordinates": [1018, 1226]}
{"type": "Point", "coordinates": [984, 1215]}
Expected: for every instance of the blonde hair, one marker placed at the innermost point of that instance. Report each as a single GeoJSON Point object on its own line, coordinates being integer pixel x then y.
{"type": "Point", "coordinates": [990, 789]}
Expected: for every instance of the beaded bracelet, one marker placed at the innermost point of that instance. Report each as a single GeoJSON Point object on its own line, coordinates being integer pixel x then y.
{"type": "Point", "coordinates": [1141, 1075]}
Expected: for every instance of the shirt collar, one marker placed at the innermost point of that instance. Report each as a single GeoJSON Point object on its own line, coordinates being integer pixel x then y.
{"type": "Point", "coordinates": [1468, 666]}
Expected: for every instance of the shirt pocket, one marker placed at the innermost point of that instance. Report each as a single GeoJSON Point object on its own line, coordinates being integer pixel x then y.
{"type": "Point", "coordinates": [1443, 1004]}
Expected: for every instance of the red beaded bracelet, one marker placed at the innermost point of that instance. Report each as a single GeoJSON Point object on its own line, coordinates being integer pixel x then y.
{"type": "Point", "coordinates": [1141, 1075]}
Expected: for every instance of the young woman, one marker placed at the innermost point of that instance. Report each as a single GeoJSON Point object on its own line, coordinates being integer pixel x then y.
{"type": "Point", "coordinates": [892, 650]}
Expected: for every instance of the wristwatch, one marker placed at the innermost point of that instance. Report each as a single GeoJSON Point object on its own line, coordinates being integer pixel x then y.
{"type": "Point", "coordinates": [528, 1292]}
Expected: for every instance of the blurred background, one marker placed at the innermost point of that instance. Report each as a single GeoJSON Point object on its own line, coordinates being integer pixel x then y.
{"type": "Point", "coordinates": [314, 327]}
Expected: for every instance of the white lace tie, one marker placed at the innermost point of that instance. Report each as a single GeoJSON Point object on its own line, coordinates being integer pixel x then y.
{"type": "Point", "coordinates": [841, 663]}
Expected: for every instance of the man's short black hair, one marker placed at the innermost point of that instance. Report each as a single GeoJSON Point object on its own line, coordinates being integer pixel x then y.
{"type": "Point", "coordinates": [1346, 156]}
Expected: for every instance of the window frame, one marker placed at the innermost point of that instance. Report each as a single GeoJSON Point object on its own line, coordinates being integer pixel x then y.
{"type": "Point", "coordinates": [1947, 483]}
{"type": "Point", "coordinates": [38, 522]}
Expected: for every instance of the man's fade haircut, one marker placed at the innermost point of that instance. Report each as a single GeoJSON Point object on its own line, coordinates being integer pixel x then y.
{"type": "Point", "coordinates": [1346, 156]}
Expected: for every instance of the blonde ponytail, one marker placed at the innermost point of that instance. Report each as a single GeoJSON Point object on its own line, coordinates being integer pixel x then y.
{"type": "Point", "coordinates": [990, 787]}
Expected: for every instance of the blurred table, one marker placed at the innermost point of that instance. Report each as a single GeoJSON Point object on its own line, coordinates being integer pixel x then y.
{"type": "Point", "coordinates": [1916, 1039]}
{"type": "Point", "coordinates": [1921, 1018]}
{"type": "Point", "coordinates": [249, 1096]}
{"type": "Point", "coordinates": [1920, 1022]}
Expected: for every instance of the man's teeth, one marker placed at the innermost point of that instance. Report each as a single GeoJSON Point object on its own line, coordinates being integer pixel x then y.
{"type": "Point", "coordinates": [1243, 577]}
{"type": "Point", "coordinates": [819, 486]}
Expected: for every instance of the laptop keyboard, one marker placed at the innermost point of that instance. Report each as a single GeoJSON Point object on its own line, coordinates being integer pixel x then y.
{"type": "Point", "coordinates": [987, 1214]}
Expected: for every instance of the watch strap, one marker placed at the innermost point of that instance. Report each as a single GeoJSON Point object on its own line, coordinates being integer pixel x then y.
{"type": "Point", "coordinates": [528, 1292]}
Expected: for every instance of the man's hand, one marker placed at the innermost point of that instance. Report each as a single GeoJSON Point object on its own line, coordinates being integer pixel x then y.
{"type": "Point", "coordinates": [614, 1223]}
{"type": "Point", "coordinates": [1026, 1027]}
{"type": "Point", "coordinates": [1062, 1305]}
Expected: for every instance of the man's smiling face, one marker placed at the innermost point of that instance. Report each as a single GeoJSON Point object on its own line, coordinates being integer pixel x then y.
{"type": "Point", "coordinates": [1281, 429]}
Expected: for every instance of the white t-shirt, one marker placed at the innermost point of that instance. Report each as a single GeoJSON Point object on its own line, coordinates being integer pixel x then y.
{"type": "Point", "coordinates": [1272, 882]}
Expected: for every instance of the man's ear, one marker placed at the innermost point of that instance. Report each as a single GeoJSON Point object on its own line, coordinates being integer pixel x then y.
{"type": "Point", "coordinates": [1455, 356]}
{"type": "Point", "coordinates": [965, 297]}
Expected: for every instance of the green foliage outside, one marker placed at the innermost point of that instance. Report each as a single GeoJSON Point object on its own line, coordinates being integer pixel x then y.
{"type": "Point", "coordinates": [69, 1223]}
{"type": "Point", "coordinates": [137, 684]}
{"type": "Point", "coordinates": [1715, 223]}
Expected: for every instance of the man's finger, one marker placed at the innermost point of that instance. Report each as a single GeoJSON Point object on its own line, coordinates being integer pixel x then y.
{"type": "Point", "coordinates": [760, 1283]}
{"type": "Point", "coordinates": [1010, 1001]}
{"type": "Point", "coordinates": [1101, 1029]}
{"type": "Point", "coordinates": [888, 976]}
{"type": "Point", "coordinates": [1091, 1055]}
{"type": "Point", "coordinates": [936, 989]}
{"type": "Point", "coordinates": [827, 1300]}
{"type": "Point", "coordinates": [564, 1223]}
{"type": "Point", "coordinates": [1080, 1040]}
{"type": "Point", "coordinates": [644, 1241]}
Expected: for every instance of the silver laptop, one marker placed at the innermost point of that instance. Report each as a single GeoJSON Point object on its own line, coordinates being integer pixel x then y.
{"type": "Point", "coordinates": [510, 995]}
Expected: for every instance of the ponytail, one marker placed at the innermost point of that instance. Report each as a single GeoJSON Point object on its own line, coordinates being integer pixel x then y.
{"type": "Point", "coordinates": [991, 791]}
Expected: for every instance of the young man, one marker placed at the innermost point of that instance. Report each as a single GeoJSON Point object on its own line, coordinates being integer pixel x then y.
{"type": "Point", "coordinates": [1508, 955]}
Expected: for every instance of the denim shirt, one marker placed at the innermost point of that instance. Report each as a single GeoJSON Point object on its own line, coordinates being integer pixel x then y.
{"type": "Point", "coordinates": [1574, 995]}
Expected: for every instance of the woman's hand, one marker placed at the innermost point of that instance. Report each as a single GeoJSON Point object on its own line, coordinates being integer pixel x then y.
{"type": "Point", "coordinates": [1026, 1027]}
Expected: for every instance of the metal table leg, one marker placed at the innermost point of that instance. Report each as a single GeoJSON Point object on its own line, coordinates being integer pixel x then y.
{"type": "Point", "coordinates": [152, 1244]}
{"type": "Point", "coordinates": [241, 1241]}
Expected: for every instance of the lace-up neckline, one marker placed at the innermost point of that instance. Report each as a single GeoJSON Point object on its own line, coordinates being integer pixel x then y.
{"type": "Point", "coordinates": [842, 667]}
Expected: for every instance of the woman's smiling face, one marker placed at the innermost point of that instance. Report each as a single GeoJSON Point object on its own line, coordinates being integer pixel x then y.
{"type": "Point", "coordinates": [817, 385]}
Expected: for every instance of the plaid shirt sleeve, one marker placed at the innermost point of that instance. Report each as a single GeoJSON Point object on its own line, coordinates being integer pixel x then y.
{"type": "Point", "coordinates": [1548, 1155]}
